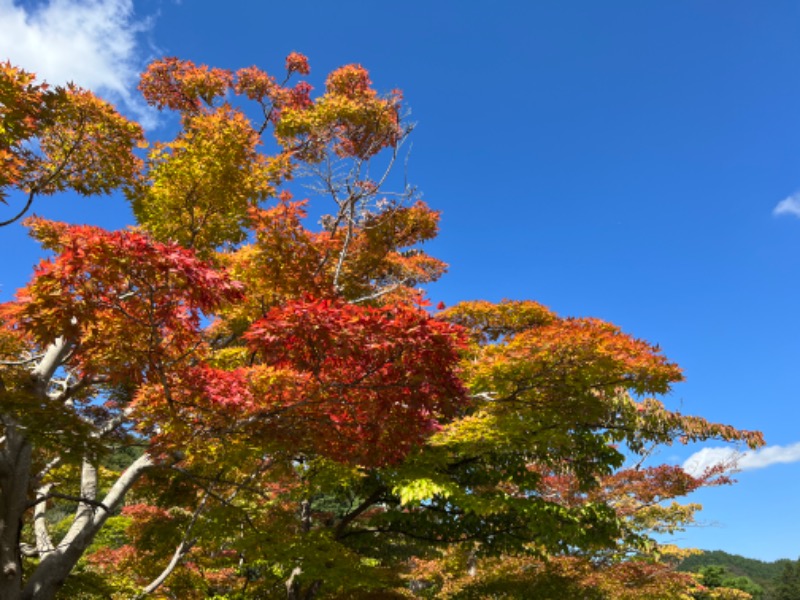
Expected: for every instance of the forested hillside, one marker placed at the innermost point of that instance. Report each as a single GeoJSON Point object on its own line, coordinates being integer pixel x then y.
{"type": "Point", "coordinates": [779, 579]}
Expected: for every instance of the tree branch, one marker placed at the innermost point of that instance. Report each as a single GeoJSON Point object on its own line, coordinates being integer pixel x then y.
{"type": "Point", "coordinates": [22, 212]}
{"type": "Point", "coordinates": [20, 363]}
{"type": "Point", "coordinates": [52, 359]}
{"type": "Point", "coordinates": [55, 566]}
{"type": "Point", "coordinates": [184, 547]}
{"type": "Point", "coordinates": [351, 516]}
{"type": "Point", "coordinates": [44, 543]}
{"type": "Point", "coordinates": [69, 497]}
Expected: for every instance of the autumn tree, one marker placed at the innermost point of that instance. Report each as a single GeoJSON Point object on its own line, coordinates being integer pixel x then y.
{"type": "Point", "coordinates": [229, 400]}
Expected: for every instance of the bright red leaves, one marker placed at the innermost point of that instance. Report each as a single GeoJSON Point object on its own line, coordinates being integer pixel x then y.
{"type": "Point", "coordinates": [375, 380]}
{"type": "Point", "coordinates": [356, 384]}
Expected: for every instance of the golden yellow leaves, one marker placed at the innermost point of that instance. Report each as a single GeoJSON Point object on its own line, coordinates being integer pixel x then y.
{"type": "Point", "coordinates": [197, 189]}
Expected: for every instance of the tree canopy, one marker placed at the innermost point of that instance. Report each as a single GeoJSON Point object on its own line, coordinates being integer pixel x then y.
{"type": "Point", "coordinates": [228, 400]}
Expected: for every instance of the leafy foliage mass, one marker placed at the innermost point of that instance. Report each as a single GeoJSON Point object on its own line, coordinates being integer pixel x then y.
{"type": "Point", "coordinates": [229, 401]}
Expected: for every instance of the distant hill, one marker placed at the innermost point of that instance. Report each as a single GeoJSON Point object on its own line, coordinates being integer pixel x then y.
{"type": "Point", "coordinates": [763, 573]}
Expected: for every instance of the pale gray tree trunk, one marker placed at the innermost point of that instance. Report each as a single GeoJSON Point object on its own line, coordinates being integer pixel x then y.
{"type": "Point", "coordinates": [54, 568]}
{"type": "Point", "coordinates": [15, 474]}
{"type": "Point", "coordinates": [19, 486]}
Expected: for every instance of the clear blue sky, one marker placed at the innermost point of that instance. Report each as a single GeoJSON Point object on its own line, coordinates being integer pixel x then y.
{"type": "Point", "coordinates": [618, 159]}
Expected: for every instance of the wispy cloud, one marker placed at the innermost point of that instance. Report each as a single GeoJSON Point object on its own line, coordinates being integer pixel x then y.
{"type": "Point", "coordinates": [735, 460]}
{"type": "Point", "coordinates": [93, 43]}
{"type": "Point", "coordinates": [788, 206]}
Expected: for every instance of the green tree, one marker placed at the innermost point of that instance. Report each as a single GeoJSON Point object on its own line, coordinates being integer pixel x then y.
{"type": "Point", "coordinates": [763, 573]}
{"type": "Point", "coordinates": [788, 584]}
{"type": "Point", "coordinates": [717, 581]}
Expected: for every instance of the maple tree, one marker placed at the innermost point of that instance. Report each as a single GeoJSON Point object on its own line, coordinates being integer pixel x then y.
{"type": "Point", "coordinates": [228, 401]}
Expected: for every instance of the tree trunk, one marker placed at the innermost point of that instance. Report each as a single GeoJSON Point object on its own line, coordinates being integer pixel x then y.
{"type": "Point", "coordinates": [55, 567]}
{"type": "Point", "coordinates": [15, 474]}
{"type": "Point", "coordinates": [294, 590]}
{"type": "Point", "coordinates": [15, 468]}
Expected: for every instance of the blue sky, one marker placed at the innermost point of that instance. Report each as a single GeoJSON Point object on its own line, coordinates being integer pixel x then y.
{"type": "Point", "coordinates": [632, 161]}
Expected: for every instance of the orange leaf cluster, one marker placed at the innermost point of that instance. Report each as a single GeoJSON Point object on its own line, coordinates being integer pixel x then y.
{"type": "Point", "coordinates": [181, 85]}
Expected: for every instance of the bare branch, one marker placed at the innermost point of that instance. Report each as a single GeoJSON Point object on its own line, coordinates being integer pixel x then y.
{"type": "Point", "coordinates": [352, 515]}
{"type": "Point", "coordinates": [346, 246]}
{"type": "Point", "coordinates": [21, 363]}
{"type": "Point", "coordinates": [21, 213]}
{"type": "Point", "coordinates": [381, 292]}
{"type": "Point", "coordinates": [112, 423]}
{"type": "Point", "coordinates": [46, 469]}
{"type": "Point", "coordinates": [40, 499]}
{"type": "Point", "coordinates": [53, 358]}
{"type": "Point", "coordinates": [56, 565]}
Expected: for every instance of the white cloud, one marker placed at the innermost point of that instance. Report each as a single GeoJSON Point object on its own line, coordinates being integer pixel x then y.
{"type": "Point", "coordinates": [735, 460]}
{"type": "Point", "coordinates": [93, 43]}
{"type": "Point", "coordinates": [788, 206]}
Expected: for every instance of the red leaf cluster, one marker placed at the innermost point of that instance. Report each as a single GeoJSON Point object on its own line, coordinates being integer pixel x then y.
{"type": "Point", "coordinates": [129, 305]}
{"type": "Point", "coordinates": [376, 379]}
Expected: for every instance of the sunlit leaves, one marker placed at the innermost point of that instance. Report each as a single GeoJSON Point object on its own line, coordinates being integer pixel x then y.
{"type": "Point", "coordinates": [489, 321]}
{"type": "Point", "coordinates": [557, 387]}
{"type": "Point", "coordinates": [420, 490]}
{"type": "Point", "coordinates": [21, 103]}
{"type": "Point", "coordinates": [557, 408]}
{"type": "Point", "coordinates": [257, 85]}
{"type": "Point", "coordinates": [297, 63]}
{"type": "Point", "coordinates": [181, 85]}
{"type": "Point", "coordinates": [62, 138]}
{"type": "Point", "coordinates": [583, 360]}
{"type": "Point", "coordinates": [300, 407]}
{"type": "Point", "coordinates": [86, 146]}
{"type": "Point", "coordinates": [377, 379]}
{"type": "Point", "coordinates": [197, 189]}
{"type": "Point", "coordinates": [557, 578]}
{"type": "Point", "coordinates": [384, 252]}
{"type": "Point", "coordinates": [286, 261]}
{"type": "Point", "coordinates": [376, 261]}
{"type": "Point", "coordinates": [131, 306]}
{"type": "Point", "coordinates": [350, 116]}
